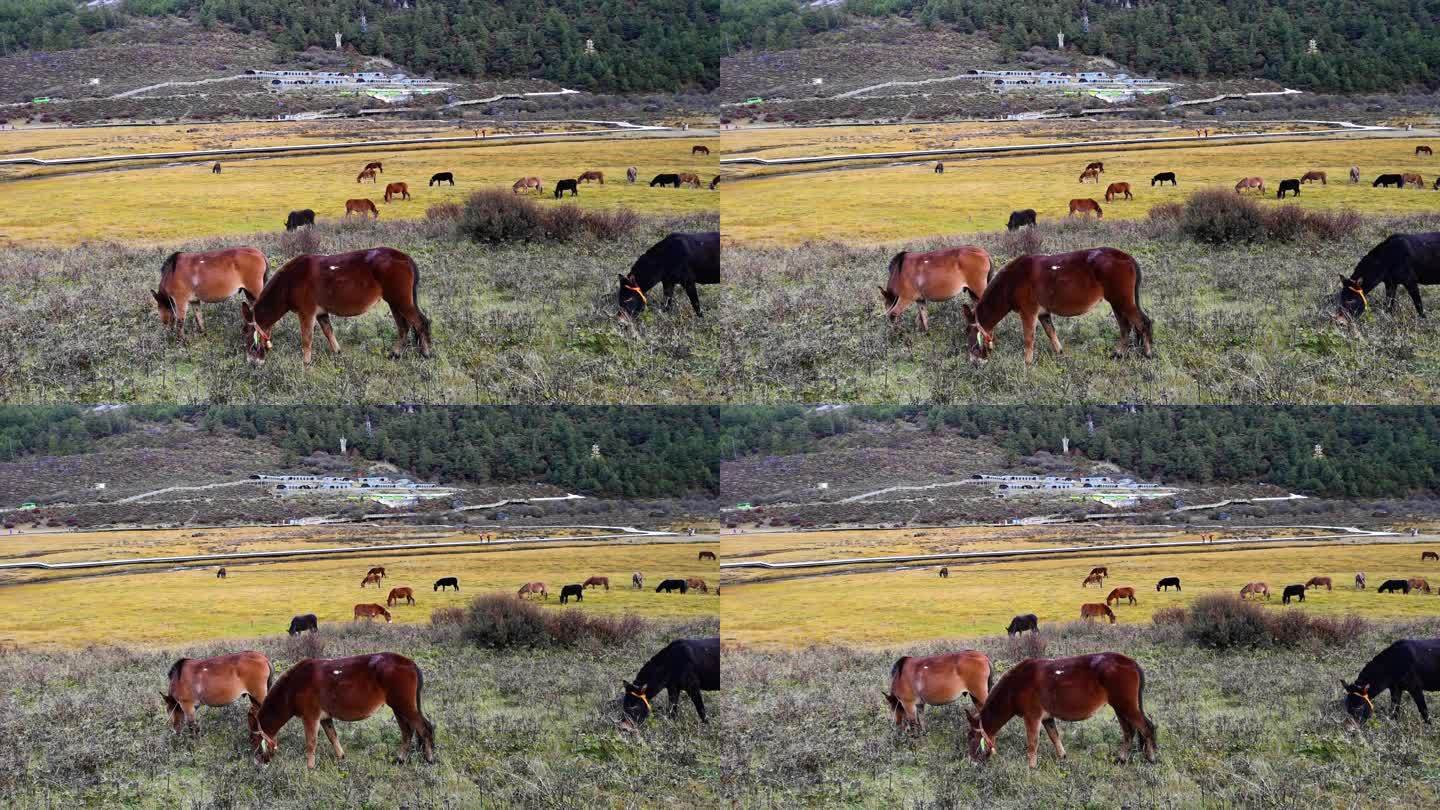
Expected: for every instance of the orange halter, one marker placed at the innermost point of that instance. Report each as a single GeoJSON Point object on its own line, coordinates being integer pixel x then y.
{"type": "Point", "coordinates": [643, 699]}
{"type": "Point", "coordinates": [635, 289]}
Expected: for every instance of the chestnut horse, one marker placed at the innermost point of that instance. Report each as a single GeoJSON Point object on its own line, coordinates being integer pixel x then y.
{"type": "Point", "coordinates": [688, 179]}
{"type": "Point", "coordinates": [209, 278]}
{"type": "Point", "coordinates": [1093, 577]}
{"type": "Point", "coordinates": [367, 174]}
{"type": "Point", "coordinates": [1095, 610]}
{"type": "Point", "coordinates": [369, 578]}
{"type": "Point", "coordinates": [1313, 175]}
{"type": "Point", "coordinates": [379, 569]}
{"type": "Point", "coordinates": [400, 594]}
{"type": "Point", "coordinates": [1250, 183]}
{"type": "Point", "coordinates": [1041, 691]}
{"type": "Point", "coordinates": [362, 207]}
{"type": "Point", "coordinates": [217, 681]}
{"type": "Point", "coordinates": [1412, 179]}
{"type": "Point", "coordinates": [697, 584]}
{"type": "Point", "coordinates": [936, 680]}
{"type": "Point", "coordinates": [321, 691]}
{"type": "Point", "coordinates": [706, 555]}
{"type": "Point", "coordinates": [1429, 555]}
{"type": "Point", "coordinates": [533, 588]}
{"type": "Point", "coordinates": [346, 285]}
{"type": "Point", "coordinates": [1255, 589]}
{"type": "Point", "coordinates": [1315, 582]}
{"type": "Point", "coordinates": [1118, 189]}
{"type": "Point", "coordinates": [370, 611]}
{"type": "Point", "coordinates": [400, 190]}
{"type": "Point", "coordinates": [527, 183]}
{"type": "Point", "coordinates": [938, 275]}
{"type": "Point", "coordinates": [1419, 584]}
{"type": "Point", "coordinates": [1090, 174]}
{"type": "Point", "coordinates": [1084, 205]}
{"type": "Point", "coordinates": [1419, 150]}
{"type": "Point", "coordinates": [699, 150]}
{"type": "Point", "coordinates": [586, 177]}
{"type": "Point", "coordinates": [375, 165]}
{"type": "Point", "coordinates": [1121, 593]}
{"type": "Point", "coordinates": [1065, 284]}
{"type": "Point", "coordinates": [1098, 166]}
{"type": "Point", "coordinates": [597, 582]}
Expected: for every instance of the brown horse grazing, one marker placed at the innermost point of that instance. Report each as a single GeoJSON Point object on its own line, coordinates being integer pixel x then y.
{"type": "Point", "coordinates": [1084, 206]}
{"type": "Point", "coordinates": [688, 179]}
{"type": "Point", "coordinates": [527, 183]}
{"type": "Point", "coordinates": [1095, 610]}
{"type": "Point", "coordinates": [1316, 582]}
{"type": "Point", "coordinates": [376, 166]}
{"type": "Point", "coordinates": [1419, 150]}
{"type": "Point", "coordinates": [346, 285]}
{"type": "Point", "coordinates": [400, 190]}
{"type": "Point", "coordinates": [216, 168]}
{"type": "Point", "coordinates": [707, 555]}
{"type": "Point", "coordinates": [586, 177]}
{"type": "Point", "coordinates": [936, 680]}
{"type": "Point", "coordinates": [1064, 284]}
{"type": "Point", "coordinates": [697, 584]}
{"type": "Point", "coordinates": [533, 588]}
{"type": "Point", "coordinates": [369, 578]}
{"type": "Point", "coordinates": [1041, 691]}
{"type": "Point", "coordinates": [217, 681]}
{"type": "Point", "coordinates": [596, 582]}
{"type": "Point", "coordinates": [362, 207]}
{"type": "Point", "coordinates": [370, 611]}
{"type": "Point", "coordinates": [1419, 584]}
{"type": "Point", "coordinates": [222, 573]}
{"type": "Point", "coordinates": [1090, 174]}
{"type": "Point", "coordinates": [1250, 183]}
{"type": "Point", "coordinates": [1101, 570]}
{"type": "Point", "coordinates": [1117, 189]}
{"type": "Point", "coordinates": [1121, 593]}
{"type": "Point", "coordinates": [1313, 175]}
{"type": "Point", "coordinates": [1255, 589]}
{"type": "Point", "coordinates": [400, 594]}
{"type": "Point", "coordinates": [1354, 174]}
{"type": "Point", "coordinates": [321, 691]}
{"type": "Point", "coordinates": [1412, 179]}
{"type": "Point", "coordinates": [209, 278]}
{"type": "Point", "coordinates": [1095, 578]}
{"type": "Point", "coordinates": [938, 275]}
{"type": "Point", "coordinates": [379, 569]}
{"type": "Point", "coordinates": [1096, 165]}
{"type": "Point", "coordinates": [631, 173]}
{"type": "Point", "coordinates": [1429, 555]}
{"type": "Point", "coordinates": [367, 174]}
{"type": "Point", "coordinates": [699, 150]}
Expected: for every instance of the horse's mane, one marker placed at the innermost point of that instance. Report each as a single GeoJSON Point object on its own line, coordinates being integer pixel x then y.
{"type": "Point", "coordinates": [657, 665]}
{"type": "Point", "coordinates": [176, 667]}
{"type": "Point", "coordinates": [895, 265]}
{"type": "Point", "coordinates": [899, 664]}
{"type": "Point", "coordinates": [169, 266]}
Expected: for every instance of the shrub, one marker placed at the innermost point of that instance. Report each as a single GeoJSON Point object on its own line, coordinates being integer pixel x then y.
{"type": "Point", "coordinates": [1024, 242]}
{"type": "Point", "coordinates": [1222, 217]}
{"type": "Point", "coordinates": [1026, 645]}
{"type": "Point", "coordinates": [569, 628]}
{"type": "Point", "coordinates": [446, 616]}
{"type": "Point", "coordinates": [1167, 212]}
{"type": "Point", "coordinates": [564, 222]}
{"type": "Point", "coordinates": [1170, 615]}
{"type": "Point", "coordinates": [1223, 622]}
{"type": "Point", "coordinates": [299, 242]}
{"type": "Point", "coordinates": [1286, 223]}
{"type": "Point", "coordinates": [612, 224]}
{"type": "Point", "coordinates": [505, 621]}
{"type": "Point", "coordinates": [502, 216]}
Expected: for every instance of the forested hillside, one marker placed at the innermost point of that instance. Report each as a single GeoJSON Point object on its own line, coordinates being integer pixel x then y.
{"type": "Point", "coordinates": [639, 45]}
{"type": "Point", "coordinates": [1360, 45]}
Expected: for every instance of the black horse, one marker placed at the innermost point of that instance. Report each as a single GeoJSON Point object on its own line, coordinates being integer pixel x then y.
{"type": "Point", "coordinates": [216, 168]}
{"type": "Point", "coordinates": [1408, 665]}
{"type": "Point", "coordinates": [663, 180]}
{"type": "Point", "coordinates": [1165, 583]}
{"type": "Point", "coordinates": [1393, 585]}
{"type": "Point", "coordinates": [686, 259]}
{"type": "Point", "coordinates": [572, 590]}
{"type": "Point", "coordinates": [944, 573]}
{"type": "Point", "coordinates": [447, 582]}
{"type": "Point", "coordinates": [1019, 219]}
{"type": "Point", "coordinates": [567, 185]}
{"type": "Point", "coordinates": [939, 167]}
{"type": "Point", "coordinates": [1020, 624]}
{"type": "Point", "coordinates": [1163, 177]}
{"type": "Point", "coordinates": [1293, 184]}
{"type": "Point", "coordinates": [670, 585]}
{"type": "Point", "coordinates": [442, 177]}
{"type": "Point", "coordinates": [300, 624]}
{"type": "Point", "coordinates": [299, 218]}
{"type": "Point", "coordinates": [1292, 590]}
{"type": "Point", "coordinates": [691, 665]}
{"type": "Point", "coordinates": [1402, 260]}
{"type": "Point", "coordinates": [1388, 180]}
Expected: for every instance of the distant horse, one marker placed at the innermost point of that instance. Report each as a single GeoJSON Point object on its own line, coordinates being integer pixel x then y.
{"type": "Point", "coordinates": [216, 168]}
{"type": "Point", "coordinates": [699, 149]}
{"type": "Point", "coordinates": [533, 588]}
{"type": "Point", "coordinates": [1023, 622]}
{"type": "Point", "coordinates": [1297, 591]}
{"type": "Point", "coordinates": [597, 582]}
{"type": "Point", "coordinates": [447, 582]}
{"type": "Point", "coordinates": [936, 275]}
{"type": "Point", "coordinates": [1019, 219]}
{"type": "Point", "coordinates": [567, 591]}
{"type": "Point", "coordinates": [935, 680]}
{"type": "Point", "coordinates": [1407, 665]}
{"type": "Point", "coordinates": [563, 186]}
{"type": "Point", "coordinates": [1096, 610]}
{"type": "Point", "coordinates": [1387, 180]}
{"type": "Point", "coordinates": [1166, 583]}
{"type": "Point", "coordinates": [208, 278]}
{"type": "Point", "coordinates": [696, 584]}
{"type": "Point", "coordinates": [1316, 582]}
{"type": "Point", "coordinates": [369, 578]}
{"type": "Point", "coordinates": [631, 173]}
{"type": "Point", "coordinates": [1255, 589]}
{"type": "Point", "coordinates": [400, 594]}
{"type": "Point", "coordinates": [217, 681]}
{"type": "Point", "coordinates": [1360, 581]}
{"type": "Point", "coordinates": [680, 259]}
{"type": "Point", "coordinates": [1313, 175]}
{"type": "Point", "coordinates": [637, 580]}
{"type": "Point", "coordinates": [1419, 150]}
{"type": "Point", "coordinates": [1412, 179]}
{"type": "Point", "coordinates": [1288, 185]}
{"type": "Point", "coordinates": [587, 176]}
{"type": "Point", "coordinates": [376, 166]}
{"type": "Point", "coordinates": [1041, 691]}
{"type": "Point", "coordinates": [1090, 174]}
{"type": "Point", "coordinates": [1255, 183]}
{"type": "Point", "coordinates": [1402, 260]}
{"type": "Point", "coordinates": [1121, 593]}
{"type": "Point", "coordinates": [714, 182]}
{"type": "Point", "coordinates": [400, 190]}
{"type": "Point", "coordinates": [671, 585]}
{"type": "Point", "coordinates": [689, 665]}
{"type": "Point", "coordinates": [706, 555]}
{"type": "Point", "coordinates": [1429, 555]}
{"type": "Point", "coordinates": [370, 611]}
{"type": "Point", "coordinates": [1093, 578]}
{"type": "Point", "coordinates": [379, 569]}
{"type": "Point", "coordinates": [664, 180]}
{"type": "Point", "coordinates": [299, 624]}
{"type": "Point", "coordinates": [1083, 206]}
{"type": "Point", "coordinates": [1163, 177]}
{"type": "Point", "coordinates": [1419, 584]}
{"type": "Point", "coordinates": [527, 183]}
{"type": "Point", "coordinates": [1118, 189]}
{"type": "Point", "coordinates": [1096, 166]}
{"type": "Point", "coordinates": [1102, 570]}
{"type": "Point", "coordinates": [321, 691]}
{"type": "Point", "coordinates": [222, 573]}
{"type": "Point", "coordinates": [299, 219]}
{"type": "Point", "coordinates": [442, 177]}
{"type": "Point", "coordinates": [939, 167]}
{"type": "Point", "coordinates": [361, 207]}
{"type": "Point", "coordinates": [1354, 174]}
{"type": "Point", "coordinates": [689, 179]}
{"type": "Point", "coordinates": [944, 573]}
{"type": "Point", "coordinates": [1393, 585]}
{"type": "Point", "coordinates": [1065, 284]}
{"type": "Point", "coordinates": [344, 285]}
{"type": "Point", "coordinates": [367, 174]}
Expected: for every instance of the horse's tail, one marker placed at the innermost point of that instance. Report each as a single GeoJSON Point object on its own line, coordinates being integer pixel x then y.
{"type": "Point", "coordinates": [899, 665]}
{"type": "Point", "coordinates": [415, 299]}
{"type": "Point", "coordinates": [1140, 704]}
{"type": "Point", "coordinates": [419, 689]}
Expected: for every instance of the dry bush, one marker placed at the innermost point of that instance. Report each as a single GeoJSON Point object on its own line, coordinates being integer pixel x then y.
{"type": "Point", "coordinates": [1167, 212]}
{"type": "Point", "coordinates": [1170, 615]}
{"type": "Point", "coordinates": [1222, 217]}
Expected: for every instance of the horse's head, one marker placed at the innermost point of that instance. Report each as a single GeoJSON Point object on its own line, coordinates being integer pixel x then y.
{"type": "Point", "coordinates": [980, 339]}
{"type": "Point", "coordinates": [630, 297]}
{"type": "Point", "coordinates": [173, 712]}
{"type": "Point", "coordinates": [1352, 298]}
{"type": "Point", "coordinates": [257, 340]}
{"type": "Point", "coordinates": [1357, 701]}
{"type": "Point", "coordinates": [897, 709]}
{"type": "Point", "coordinates": [262, 745]}
{"type": "Point", "coordinates": [635, 704]}
{"type": "Point", "coordinates": [890, 299]}
{"type": "Point", "coordinates": [980, 744]}
{"type": "Point", "coordinates": [166, 305]}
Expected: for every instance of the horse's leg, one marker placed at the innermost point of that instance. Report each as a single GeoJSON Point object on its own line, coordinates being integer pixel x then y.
{"type": "Point", "coordinates": [1390, 290]}
{"type": "Point", "coordinates": [1032, 739]}
{"type": "Point", "coordinates": [1414, 290]}
{"type": "Point", "coordinates": [1050, 333]}
{"type": "Point", "coordinates": [402, 328]}
{"type": "Point", "coordinates": [200, 320]}
{"type": "Point", "coordinates": [307, 325]}
{"type": "Point", "coordinates": [1127, 729]}
{"type": "Point", "coordinates": [673, 693]}
{"type": "Point", "coordinates": [922, 317]}
{"type": "Point", "coordinates": [1027, 325]}
{"type": "Point", "coordinates": [311, 726]}
{"type": "Point", "coordinates": [406, 731]}
{"type": "Point", "coordinates": [669, 287]}
{"type": "Point", "coordinates": [1395, 697]}
{"type": "Point", "coordinates": [699, 703]}
{"type": "Point", "coordinates": [1054, 732]}
{"type": "Point", "coordinates": [324, 319]}
{"type": "Point", "coordinates": [694, 298]}
{"type": "Point", "coordinates": [329, 726]}
{"type": "Point", "coordinates": [182, 306]}
{"type": "Point", "coordinates": [1419, 695]}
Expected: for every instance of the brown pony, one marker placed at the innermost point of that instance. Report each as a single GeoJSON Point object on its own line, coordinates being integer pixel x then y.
{"type": "Point", "coordinates": [707, 555]}
{"type": "Point", "coordinates": [697, 584]}
{"type": "Point", "coordinates": [399, 594]}
{"type": "Point", "coordinates": [379, 569]}
{"type": "Point", "coordinates": [362, 207]}
{"type": "Point", "coordinates": [400, 190]}
{"type": "Point", "coordinates": [586, 177]}
{"type": "Point", "coordinates": [376, 166]}
{"type": "Point", "coordinates": [370, 611]}
{"type": "Point", "coordinates": [1250, 182]}
{"type": "Point", "coordinates": [367, 174]}
{"type": "Point", "coordinates": [1121, 593]}
{"type": "Point", "coordinates": [346, 285]}
{"type": "Point", "coordinates": [1116, 190]}
{"type": "Point", "coordinates": [1312, 176]}
{"type": "Point", "coordinates": [1429, 555]}
{"type": "Point", "coordinates": [1097, 165]}
{"type": "Point", "coordinates": [527, 183]}
{"type": "Point", "coordinates": [1090, 174]}
{"type": "Point", "coordinates": [1065, 284]}
{"type": "Point", "coordinates": [938, 275]}
{"type": "Point", "coordinates": [596, 582]}
{"type": "Point", "coordinates": [1254, 589]}
{"type": "Point", "coordinates": [688, 179]}
{"type": "Point", "coordinates": [369, 578]}
{"type": "Point", "coordinates": [1419, 585]}
{"type": "Point", "coordinates": [533, 588]}
{"type": "Point", "coordinates": [1423, 150]}
{"type": "Point", "coordinates": [321, 691]}
{"type": "Point", "coordinates": [217, 681]}
{"type": "Point", "coordinates": [1095, 610]}
{"type": "Point", "coordinates": [222, 573]}
{"type": "Point", "coordinates": [1412, 179]}
{"type": "Point", "coordinates": [1084, 206]}
{"type": "Point", "coordinates": [1101, 570]}
{"type": "Point", "coordinates": [1041, 691]}
{"type": "Point", "coordinates": [1316, 582]}
{"type": "Point", "coordinates": [208, 278]}
{"type": "Point", "coordinates": [1093, 577]}
{"type": "Point", "coordinates": [699, 149]}
{"type": "Point", "coordinates": [936, 680]}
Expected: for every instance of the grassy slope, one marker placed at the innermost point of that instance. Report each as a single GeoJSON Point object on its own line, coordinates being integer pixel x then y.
{"type": "Point", "coordinates": [1237, 729]}
{"type": "Point", "coordinates": [513, 728]}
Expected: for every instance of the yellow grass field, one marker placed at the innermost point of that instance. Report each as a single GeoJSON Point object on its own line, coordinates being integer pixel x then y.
{"type": "Point", "coordinates": [883, 606]}
{"type": "Point", "coordinates": [866, 203]}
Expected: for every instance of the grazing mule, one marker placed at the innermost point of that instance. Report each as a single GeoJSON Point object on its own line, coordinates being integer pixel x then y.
{"type": "Point", "coordinates": [1093, 577]}
{"type": "Point", "coordinates": [706, 555]}
{"type": "Point", "coordinates": [1393, 585]}
{"type": "Point", "coordinates": [1360, 581]}
{"type": "Point", "coordinates": [208, 278]}
{"type": "Point", "coordinates": [1096, 610]}
{"type": "Point", "coordinates": [1255, 589]}
{"type": "Point", "coordinates": [1121, 593]}
{"type": "Point", "coordinates": [637, 580]}
{"type": "Point", "coordinates": [400, 594]}
{"type": "Point", "coordinates": [699, 150]}
{"type": "Point", "coordinates": [1316, 582]}
{"type": "Point", "coordinates": [321, 691]}
{"type": "Point", "coordinates": [935, 680]}
{"type": "Point", "coordinates": [1387, 180]}
{"type": "Point", "coordinates": [1019, 219]}
{"type": "Point", "coordinates": [1429, 555]}
{"type": "Point", "coordinates": [447, 582]}
{"type": "Point", "coordinates": [1163, 177]}
{"type": "Point", "coordinates": [362, 207]}
{"type": "Point", "coordinates": [1354, 174]}
{"type": "Point", "coordinates": [533, 588]}
{"type": "Point", "coordinates": [683, 259]}
{"type": "Point", "coordinates": [631, 173]}
{"type": "Point", "coordinates": [937, 275]}
{"type": "Point", "coordinates": [663, 180]}
{"type": "Point", "coordinates": [1297, 591]}
{"type": "Point", "coordinates": [1419, 150]}
{"type": "Point", "coordinates": [299, 624]}
{"type": "Point", "coordinates": [587, 176]}
{"type": "Point", "coordinates": [1408, 665]}
{"type": "Point", "coordinates": [1090, 174]}
{"type": "Point", "coordinates": [1411, 179]}
{"type": "Point", "coordinates": [217, 681]}
{"type": "Point", "coordinates": [1118, 189]}
{"type": "Point", "coordinates": [442, 177]}
{"type": "Point", "coordinates": [1084, 207]}
{"type": "Point", "coordinates": [1041, 691]}
{"type": "Point", "coordinates": [1402, 260]}
{"type": "Point", "coordinates": [298, 219]}
{"type": "Point", "coordinates": [375, 165]}
{"type": "Point", "coordinates": [1419, 585]}
{"type": "Point", "coordinates": [1166, 583]}
{"type": "Point", "coordinates": [1023, 622]}
{"type": "Point", "coordinates": [1313, 175]}
{"type": "Point", "coordinates": [400, 190]}
{"type": "Point", "coordinates": [1255, 183]}
{"type": "Point", "coordinates": [567, 591]}
{"type": "Point", "coordinates": [344, 285]}
{"type": "Point", "coordinates": [367, 174]}
{"type": "Point", "coordinates": [222, 573]}
{"type": "Point", "coordinates": [671, 585]}
{"type": "Point", "coordinates": [370, 612]}
{"type": "Point", "coordinates": [1064, 284]}
{"type": "Point", "coordinates": [369, 578]}
{"type": "Point", "coordinates": [689, 665]}
{"type": "Point", "coordinates": [1288, 185]}
{"type": "Point", "coordinates": [597, 582]}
